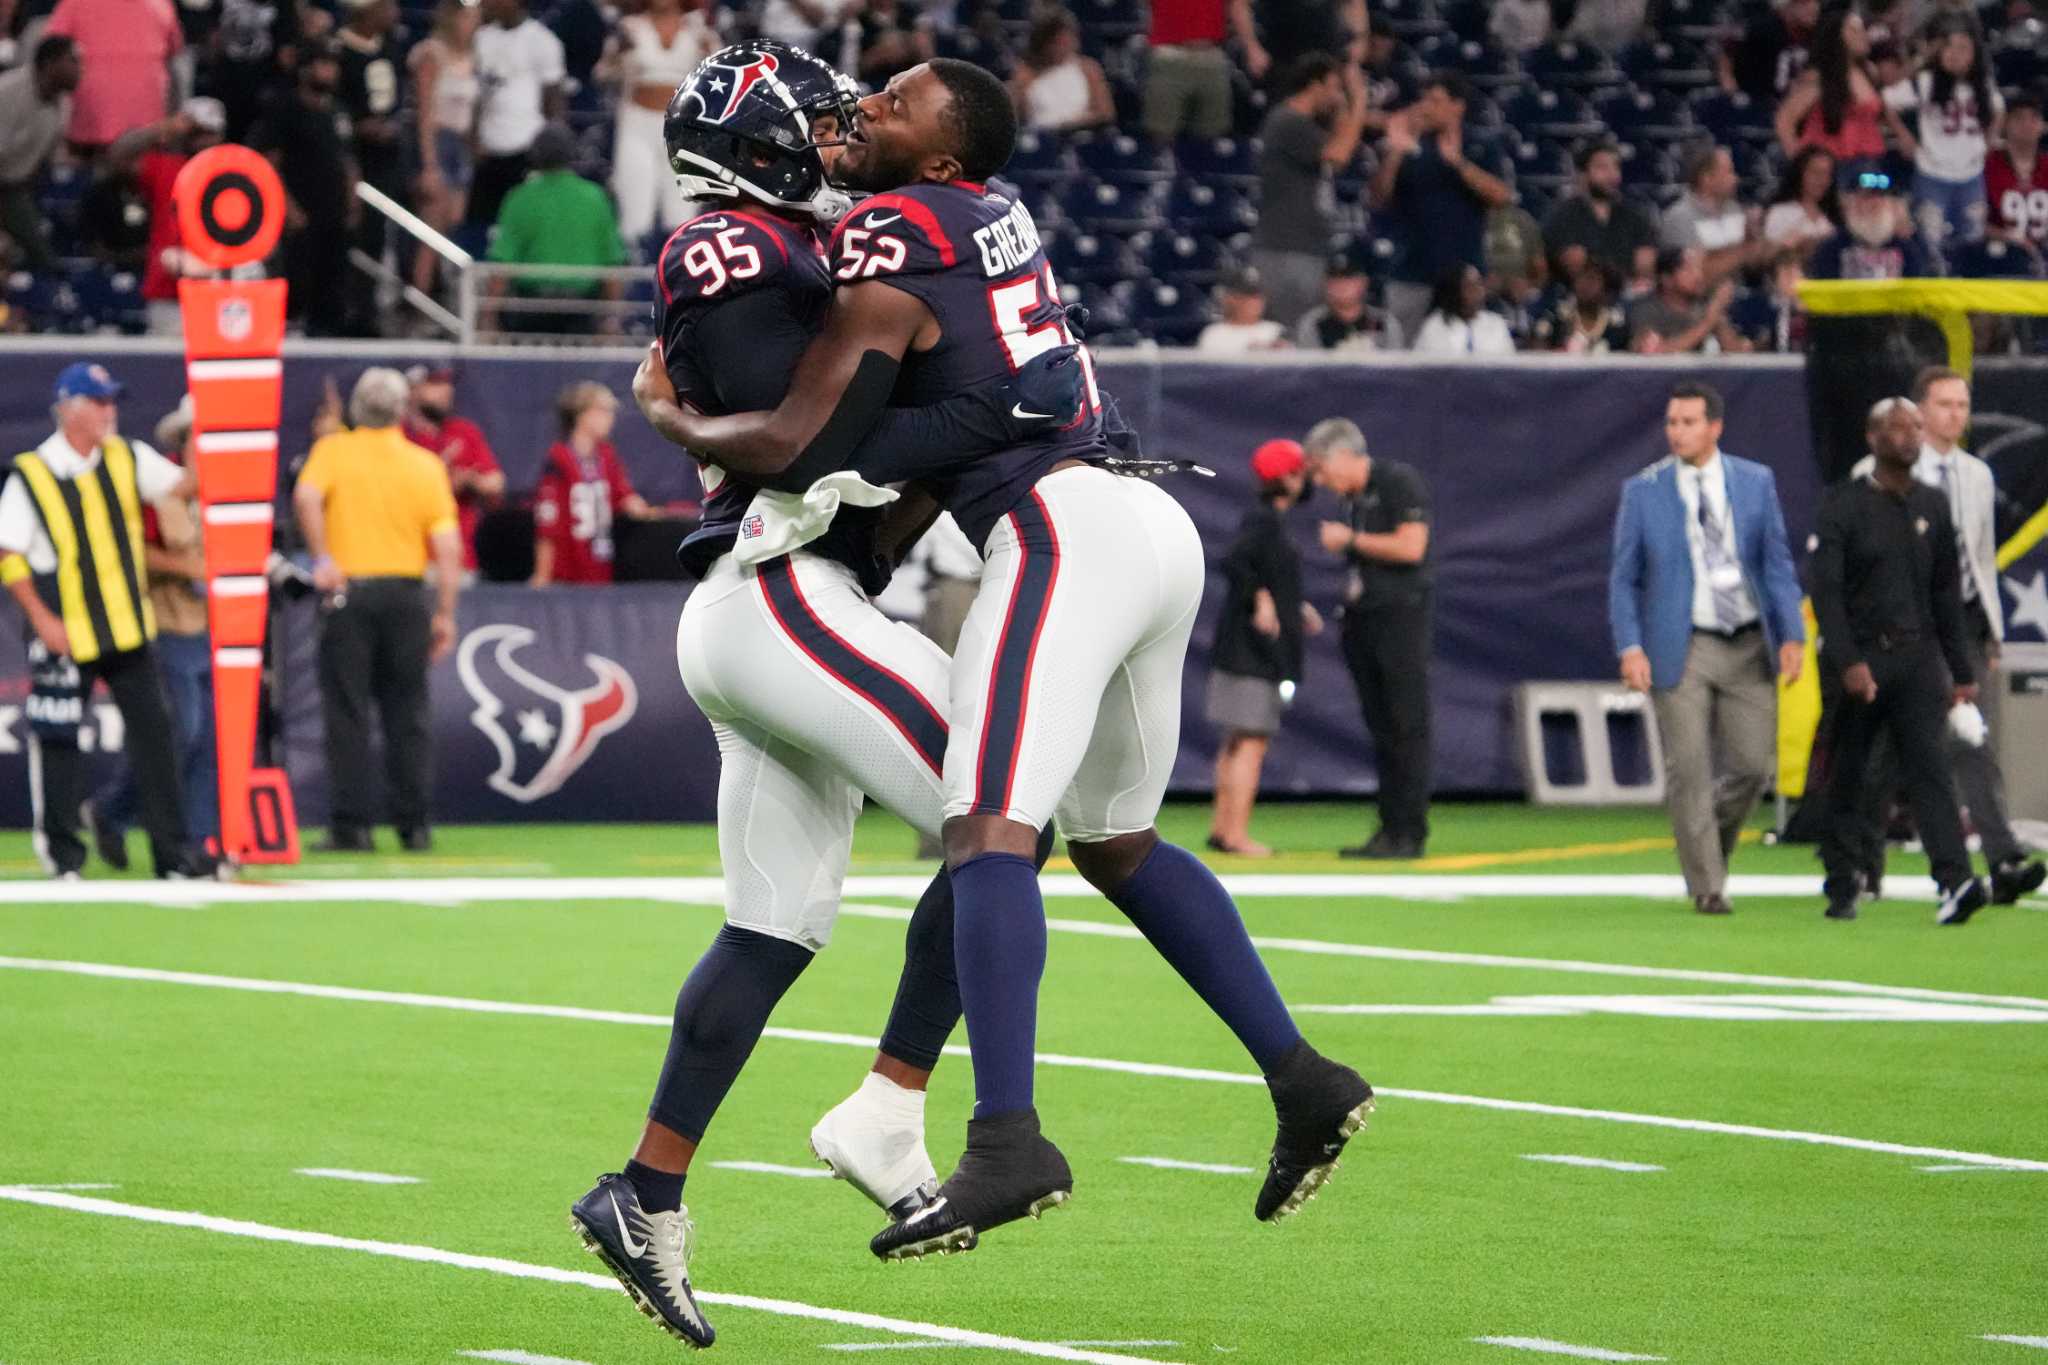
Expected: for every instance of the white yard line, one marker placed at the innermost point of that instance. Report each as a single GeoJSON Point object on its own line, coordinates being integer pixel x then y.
{"type": "Point", "coordinates": [863, 1041]}
{"type": "Point", "coordinates": [521, 1358]}
{"type": "Point", "coordinates": [770, 1168]}
{"type": "Point", "coordinates": [1597, 1162]}
{"type": "Point", "coordinates": [1971, 1167]}
{"type": "Point", "coordinates": [2038, 1343]}
{"type": "Point", "coordinates": [709, 892]}
{"type": "Point", "coordinates": [67, 1185]}
{"type": "Point", "coordinates": [1167, 1163]}
{"type": "Point", "coordinates": [360, 1177]}
{"type": "Point", "coordinates": [958, 1345]}
{"type": "Point", "coordinates": [527, 1270]}
{"type": "Point", "coordinates": [1544, 1346]}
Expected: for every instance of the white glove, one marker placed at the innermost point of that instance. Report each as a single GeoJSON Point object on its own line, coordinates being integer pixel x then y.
{"type": "Point", "coordinates": [1966, 722]}
{"type": "Point", "coordinates": [777, 523]}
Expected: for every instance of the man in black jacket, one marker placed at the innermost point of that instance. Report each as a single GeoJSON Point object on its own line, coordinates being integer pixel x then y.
{"type": "Point", "coordinates": [1258, 644]}
{"type": "Point", "coordinates": [1886, 590]}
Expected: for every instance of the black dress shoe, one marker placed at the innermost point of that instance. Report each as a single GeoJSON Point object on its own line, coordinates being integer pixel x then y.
{"type": "Point", "coordinates": [1716, 904]}
{"type": "Point", "coordinates": [2016, 877]}
{"type": "Point", "coordinates": [1842, 907]}
{"type": "Point", "coordinates": [1384, 846]}
{"type": "Point", "coordinates": [348, 841]}
{"type": "Point", "coordinates": [418, 839]}
{"type": "Point", "coordinates": [110, 843]}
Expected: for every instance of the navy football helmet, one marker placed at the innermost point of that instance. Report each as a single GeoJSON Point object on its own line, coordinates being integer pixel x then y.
{"type": "Point", "coordinates": [740, 126]}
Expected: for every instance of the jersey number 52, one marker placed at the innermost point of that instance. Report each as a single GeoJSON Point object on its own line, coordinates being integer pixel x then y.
{"type": "Point", "coordinates": [1012, 306]}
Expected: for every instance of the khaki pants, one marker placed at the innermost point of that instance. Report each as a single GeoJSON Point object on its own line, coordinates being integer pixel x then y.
{"type": "Point", "coordinates": [1187, 88]}
{"type": "Point", "coordinates": [1719, 729]}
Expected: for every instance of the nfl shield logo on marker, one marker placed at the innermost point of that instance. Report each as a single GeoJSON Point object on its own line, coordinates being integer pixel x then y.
{"type": "Point", "coordinates": [235, 320]}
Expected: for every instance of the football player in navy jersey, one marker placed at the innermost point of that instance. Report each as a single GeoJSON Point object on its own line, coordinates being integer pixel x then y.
{"type": "Point", "coordinates": [1065, 688]}
{"type": "Point", "coordinates": [816, 698]}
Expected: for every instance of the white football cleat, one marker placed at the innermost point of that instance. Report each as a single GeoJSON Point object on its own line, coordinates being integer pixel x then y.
{"type": "Point", "coordinates": [874, 1141]}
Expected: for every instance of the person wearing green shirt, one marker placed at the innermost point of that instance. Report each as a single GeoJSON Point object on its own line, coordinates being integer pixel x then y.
{"type": "Point", "coordinates": [556, 217]}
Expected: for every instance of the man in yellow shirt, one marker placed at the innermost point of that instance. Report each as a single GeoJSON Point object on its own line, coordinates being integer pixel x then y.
{"type": "Point", "coordinates": [373, 507]}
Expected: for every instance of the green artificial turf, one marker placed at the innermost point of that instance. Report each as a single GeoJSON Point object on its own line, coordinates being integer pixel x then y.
{"type": "Point", "coordinates": [1436, 1230]}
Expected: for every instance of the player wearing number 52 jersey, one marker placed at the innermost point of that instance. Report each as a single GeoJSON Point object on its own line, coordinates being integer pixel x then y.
{"type": "Point", "coordinates": [1065, 688]}
{"type": "Point", "coordinates": [816, 698]}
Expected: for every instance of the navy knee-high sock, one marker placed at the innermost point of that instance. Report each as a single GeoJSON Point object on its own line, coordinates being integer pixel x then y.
{"type": "Point", "coordinates": [1184, 912]}
{"type": "Point", "coordinates": [999, 950]}
{"type": "Point", "coordinates": [720, 1012]}
{"type": "Point", "coordinates": [927, 1007]}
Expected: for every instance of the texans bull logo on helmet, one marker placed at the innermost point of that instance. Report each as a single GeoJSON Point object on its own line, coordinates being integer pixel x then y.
{"type": "Point", "coordinates": [721, 86]}
{"type": "Point", "coordinates": [553, 730]}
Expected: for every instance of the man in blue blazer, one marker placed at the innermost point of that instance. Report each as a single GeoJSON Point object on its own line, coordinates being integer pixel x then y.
{"type": "Point", "coordinates": [1702, 597]}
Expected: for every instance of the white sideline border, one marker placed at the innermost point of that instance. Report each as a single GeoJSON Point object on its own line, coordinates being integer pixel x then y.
{"type": "Point", "coordinates": [1545, 1346]}
{"type": "Point", "coordinates": [528, 1270]}
{"type": "Point", "coordinates": [866, 1042]}
{"type": "Point", "coordinates": [709, 892]}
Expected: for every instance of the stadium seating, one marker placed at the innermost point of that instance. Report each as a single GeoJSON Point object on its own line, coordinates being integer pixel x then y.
{"type": "Point", "coordinates": [1168, 314]}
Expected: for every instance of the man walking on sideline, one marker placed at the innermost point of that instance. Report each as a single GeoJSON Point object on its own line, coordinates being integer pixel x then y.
{"type": "Point", "coordinates": [1387, 622]}
{"type": "Point", "coordinates": [372, 505]}
{"type": "Point", "coordinates": [1890, 609]}
{"type": "Point", "coordinates": [1702, 599]}
{"type": "Point", "coordinates": [1966, 481]}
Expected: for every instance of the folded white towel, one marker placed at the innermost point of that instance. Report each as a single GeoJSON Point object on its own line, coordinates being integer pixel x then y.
{"type": "Point", "coordinates": [777, 523]}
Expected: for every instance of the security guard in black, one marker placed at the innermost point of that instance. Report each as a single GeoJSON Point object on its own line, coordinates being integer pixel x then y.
{"type": "Point", "coordinates": [1887, 592]}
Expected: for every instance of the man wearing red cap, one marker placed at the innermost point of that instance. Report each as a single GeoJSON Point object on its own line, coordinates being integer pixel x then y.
{"type": "Point", "coordinates": [472, 469]}
{"type": "Point", "coordinates": [1258, 644]}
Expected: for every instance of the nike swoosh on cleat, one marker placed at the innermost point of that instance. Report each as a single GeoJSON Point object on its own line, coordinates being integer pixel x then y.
{"type": "Point", "coordinates": [882, 219]}
{"type": "Point", "coordinates": [633, 1248]}
{"type": "Point", "coordinates": [1017, 411]}
{"type": "Point", "coordinates": [927, 1211]}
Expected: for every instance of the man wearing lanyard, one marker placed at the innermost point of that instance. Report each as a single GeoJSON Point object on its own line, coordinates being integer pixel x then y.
{"type": "Point", "coordinates": [1704, 603]}
{"type": "Point", "coordinates": [1885, 591]}
{"type": "Point", "coordinates": [1387, 621]}
{"type": "Point", "coordinates": [1972, 493]}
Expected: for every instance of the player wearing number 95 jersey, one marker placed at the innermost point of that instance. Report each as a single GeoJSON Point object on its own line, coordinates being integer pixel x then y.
{"type": "Point", "coordinates": [1065, 689]}
{"type": "Point", "coordinates": [814, 696]}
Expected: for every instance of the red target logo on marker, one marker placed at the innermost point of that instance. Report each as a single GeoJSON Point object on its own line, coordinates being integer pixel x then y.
{"type": "Point", "coordinates": [230, 206]}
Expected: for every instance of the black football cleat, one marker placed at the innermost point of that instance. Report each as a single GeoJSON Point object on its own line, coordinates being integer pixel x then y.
{"type": "Point", "coordinates": [2016, 877]}
{"type": "Point", "coordinates": [1320, 1104]}
{"type": "Point", "coordinates": [648, 1252]}
{"type": "Point", "coordinates": [1009, 1171]}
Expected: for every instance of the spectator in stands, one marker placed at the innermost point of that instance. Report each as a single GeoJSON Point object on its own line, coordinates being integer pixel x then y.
{"type": "Point", "coordinates": [125, 47]}
{"type": "Point", "coordinates": [2016, 177]}
{"type": "Point", "coordinates": [1681, 315]}
{"type": "Point", "coordinates": [1960, 110]}
{"type": "Point", "coordinates": [585, 28]}
{"type": "Point", "coordinates": [251, 58]}
{"type": "Point", "coordinates": [1520, 25]}
{"type": "Point", "coordinates": [113, 218]}
{"type": "Point", "coordinates": [1344, 321]}
{"type": "Point", "coordinates": [1804, 211]}
{"type": "Point", "coordinates": [1313, 129]}
{"type": "Point", "coordinates": [1835, 103]}
{"type": "Point", "coordinates": [35, 108]}
{"type": "Point", "coordinates": [1610, 25]}
{"type": "Point", "coordinates": [370, 59]}
{"type": "Point", "coordinates": [981, 38]}
{"type": "Point", "coordinates": [473, 473]}
{"type": "Point", "coordinates": [1056, 88]}
{"type": "Point", "coordinates": [892, 40]}
{"type": "Point", "coordinates": [155, 154]}
{"type": "Point", "coordinates": [1589, 321]}
{"type": "Point", "coordinates": [374, 508]}
{"type": "Point", "coordinates": [803, 23]}
{"type": "Point", "coordinates": [1293, 29]}
{"type": "Point", "coordinates": [1187, 74]}
{"type": "Point", "coordinates": [520, 66]}
{"type": "Point", "coordinates": [305, 138]}
{"type": "Point", "coordinates": [1258, 657]}
{"type": "Point", "coordinates": [1878, 241]}
{"type": "Point", "coordinates": [445, 91]}
{"type": "Point", "coordinates": [176, 565]}
{"type": "Point", "coordinates": [1459, 322]}
{"type": "Point", "coordinates": [1598, 223]}
{"type": "Point", "coordinates": [1708, 215]}
{"type": "Point", "coordinates": [583, 490]}
{"type": "Point", "coordinates": [652, 54]}
{"type": "Point", "coordinates": [1436, 187]}
{"type": "Point", "coordinates": [1516, 258]}
{"type": "Point", "coordinates": [1393, 78]}
{"type": "Point", "coordinates": [1244, 326]}
{"type": "Point", "coordinates": [556, 217]}
{"type": "Point", "coordinates": [1771, 53]}
{"type": "Point", "coordinates": [1772, 319]}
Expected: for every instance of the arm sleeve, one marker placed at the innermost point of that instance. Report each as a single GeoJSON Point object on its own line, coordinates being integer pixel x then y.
{"type": "Point", "coordinates": [1409, 496]}
{"type": "Point", "coordinates": [17, 514]}
{"type": "Point", "coordinates": [550, 517]}
{"type": "Point", "coordinates": [1830, 607]}
{"type": "Point", "coordinates": [155, 476]}
{"type": "Point", "coordinates": [1625, 575]}
{"type": "Point", "coordinates": [318, 471]}
{"type": "Point", "coordinates": [1948, 595]}
{"type": "Point", "coordinates": [440, 496]}
{"type": "Point", "coordinates": [1781, 580]}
